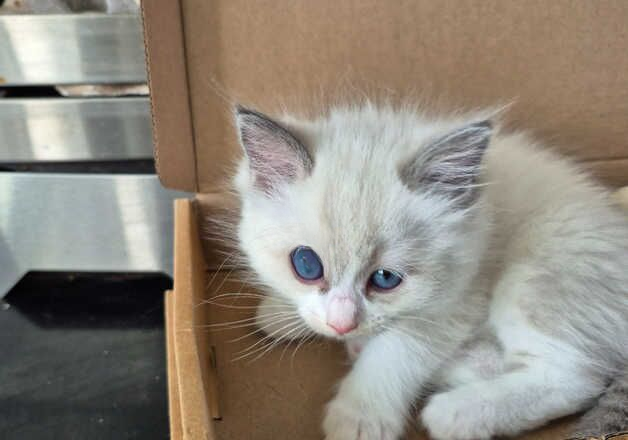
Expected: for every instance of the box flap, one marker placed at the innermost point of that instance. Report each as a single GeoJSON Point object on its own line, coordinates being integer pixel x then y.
{"type": "Point", "coordinates": [174, 405]}
{"type": "Point", "coordinates": [195, 380]}
{"type": "Point", "coordinates": [564, 63]}
{"type": "Point", "coordinates": [173, 137]}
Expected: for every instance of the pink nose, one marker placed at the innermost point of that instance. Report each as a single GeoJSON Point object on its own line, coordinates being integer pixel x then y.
{"type": "Point", "coordinates": [341, 330]}
{"type": "Point", "coordinates": [342, 313]}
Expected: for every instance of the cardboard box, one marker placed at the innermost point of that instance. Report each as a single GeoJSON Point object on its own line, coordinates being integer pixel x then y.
{"type": "Point", "coordinates": [564, 62]}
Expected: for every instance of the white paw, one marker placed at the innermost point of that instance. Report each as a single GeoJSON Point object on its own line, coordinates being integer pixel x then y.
{"type": "Point", "coordinates": [455, 415]}
{"type": "Point", "coordinates": [347, 420]}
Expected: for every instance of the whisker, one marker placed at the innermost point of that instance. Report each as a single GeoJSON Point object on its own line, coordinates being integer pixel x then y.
{"type": "Point", "coordinates": [269, 336]}
{"type": "Point", "coordinates": [216, 272]}
{"type": "Point", "coordinates": [258, 307]}
{"type": "Point", "coordinates": [274, 342]}
{"type": "Point", "coordinates": [277, 341]}
{"type": "Point", "coordinates": [268, 344]}
{"type": "Point", "coordinates": [224, 280]}
{"type": "Point", "coordinates": [304, 340]}
{"type": "Point", "coordinates": [236, 294]}
{"type": "Point", "coordinates": [239, 338]}
{"type": "Point", "coordinates": [240, 321]}
{"type": "Point", "coordinates": [294, 338]}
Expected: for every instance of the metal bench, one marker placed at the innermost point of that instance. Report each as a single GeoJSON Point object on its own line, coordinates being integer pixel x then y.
{"type": "Point", "coordinates": [52, 221]}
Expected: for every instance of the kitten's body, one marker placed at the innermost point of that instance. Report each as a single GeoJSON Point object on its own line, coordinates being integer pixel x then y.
{"type": "Point", "coordinates": [557, 300]}
{"type": "Point", "coordinates": [514, 303]}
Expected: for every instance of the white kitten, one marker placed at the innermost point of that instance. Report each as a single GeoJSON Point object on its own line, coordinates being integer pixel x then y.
{"type": "Point", "coordinates": [447, 256]}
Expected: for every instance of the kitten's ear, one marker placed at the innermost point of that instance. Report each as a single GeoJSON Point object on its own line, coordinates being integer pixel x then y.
{"type": "Point", "coordinates": [450, 165]}
{"type": "Point", "coordinates": [274, 155]}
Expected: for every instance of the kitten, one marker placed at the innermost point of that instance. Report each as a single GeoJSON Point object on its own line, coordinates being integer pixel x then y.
{"type": "Point", "coordinates": [447, 256]}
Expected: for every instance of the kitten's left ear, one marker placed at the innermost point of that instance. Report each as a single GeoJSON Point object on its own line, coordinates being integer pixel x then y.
{"type": "Point", "coordinates": [450, 165]}
{"type": "Point", "coordinates": [275, 156]}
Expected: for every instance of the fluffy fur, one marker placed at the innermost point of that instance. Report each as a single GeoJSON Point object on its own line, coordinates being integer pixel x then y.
{"type": "Point", "coordinates": [513, 308]}
{"type": "Point", "coordinates": [611, 412]}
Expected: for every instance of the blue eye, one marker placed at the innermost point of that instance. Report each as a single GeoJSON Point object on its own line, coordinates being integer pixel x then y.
{"type": "Point", "coordinates": [306, 263]}
{"type": "Point", "coordinates": [385, 279]}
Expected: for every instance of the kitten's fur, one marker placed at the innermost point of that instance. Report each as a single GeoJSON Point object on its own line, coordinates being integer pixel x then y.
{"type": "Point", "coordinates": [514, 303]}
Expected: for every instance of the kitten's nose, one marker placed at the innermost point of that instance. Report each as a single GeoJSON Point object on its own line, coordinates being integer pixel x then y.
{"type": "Point", "coordinates": [342, 314]}
{"type": "Point", "coordinates": [343, 330]}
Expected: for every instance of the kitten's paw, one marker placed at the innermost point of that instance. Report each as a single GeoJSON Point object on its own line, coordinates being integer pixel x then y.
{"type": "Point", "coordinates": [457, 416]}
{"type": "Point", "coordinates": [346, 421]}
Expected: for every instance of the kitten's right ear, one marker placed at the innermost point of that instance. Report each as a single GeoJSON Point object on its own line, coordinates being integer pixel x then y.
{"type": "Point", "coordinates": [450, 165]}
{"type": "Point", "coordinates": [275, 156]}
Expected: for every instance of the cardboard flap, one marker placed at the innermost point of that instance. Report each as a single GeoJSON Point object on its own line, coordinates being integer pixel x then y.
{"type": "Point", "coordinates": [563, 62]}
{"type": "Point", "coordinates": [173, 137]}
{"type": "Point", "coordinates": [195, 380]}
{"type": "Point", "coordinates": [174, 405]}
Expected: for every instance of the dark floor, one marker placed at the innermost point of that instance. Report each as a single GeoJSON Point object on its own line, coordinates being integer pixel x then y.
{"type": "Point", "coordinates": [83, 357]}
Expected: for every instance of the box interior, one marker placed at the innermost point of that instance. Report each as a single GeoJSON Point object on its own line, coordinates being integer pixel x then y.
{"type": "Point", "coordinates": [562, 64]}
{"type": "Point", "coordinates": [214, 394]}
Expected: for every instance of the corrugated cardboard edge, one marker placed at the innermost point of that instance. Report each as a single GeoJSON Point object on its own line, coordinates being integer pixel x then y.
{"type": "Point", "coordinates": [194, 380]}
{"type": "Point", "coordinates": [174, 406]}
{"type": "Point", "coordinates": [173, 131]}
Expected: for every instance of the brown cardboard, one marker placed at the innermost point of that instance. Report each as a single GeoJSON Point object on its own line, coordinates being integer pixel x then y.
{"type": "Point", "coordinates": [174, 406]}
{"type": "Point", "coordinates": [195, 379]}
{"type": "Point", "coordinates": [563, 62]}
{"type": "Point", "coordinates": [172, 124]}
{"type": "Point", "coordinates": [275, 397]}
{"type": "Point", "coordinates": [613, 172]}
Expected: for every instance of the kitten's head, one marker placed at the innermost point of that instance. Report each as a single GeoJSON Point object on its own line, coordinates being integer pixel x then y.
{"type": "Point", "coordinates": [363, 217]}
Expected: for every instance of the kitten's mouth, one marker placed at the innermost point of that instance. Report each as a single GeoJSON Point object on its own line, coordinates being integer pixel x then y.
{"type": "Point", "coordinates": [340, 334]}
{"type": "Point", "coordinates": [359, 330]}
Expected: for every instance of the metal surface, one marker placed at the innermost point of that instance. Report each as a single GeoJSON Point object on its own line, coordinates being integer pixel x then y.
{"type": "Point", "coordinates": [68, 6]}
{"type": "Point", "coordinates": [75, 129]}
{"type": "Point", "coordinates": [65, 222]}
{"type": "Point", "coordinates": [71, 49]}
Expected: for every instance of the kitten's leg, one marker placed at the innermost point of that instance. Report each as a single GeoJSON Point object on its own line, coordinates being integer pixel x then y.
{"type": "Point", "coordinates": [481, 358]}
{"type": "Point", "coordinates": [544, 377]}
{"type": "Point", "coordinates": [513, 402]}
{"type": "Point", "coordinates": [374, 399]}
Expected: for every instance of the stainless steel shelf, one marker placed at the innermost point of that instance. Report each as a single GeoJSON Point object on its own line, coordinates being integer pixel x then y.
{"type": "Point", "coordinates": [78, 222]}
{"type": "Point", "coordinates": [71, 49]}
{"type": "Point", "coordinates": [68, 129]}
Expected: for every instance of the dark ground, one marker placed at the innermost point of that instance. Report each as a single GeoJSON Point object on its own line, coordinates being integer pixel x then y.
{"type": "Point", "coordinates": [83, 357]}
